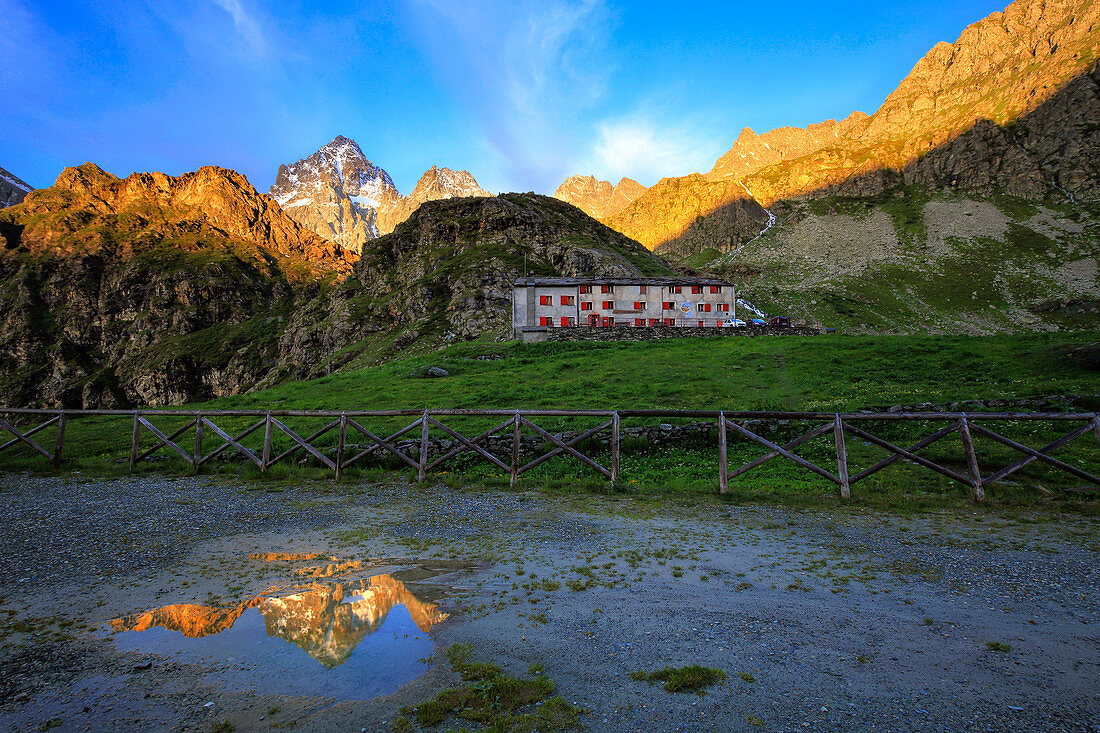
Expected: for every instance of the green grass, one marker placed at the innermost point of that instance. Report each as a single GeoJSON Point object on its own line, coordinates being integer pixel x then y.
{"type": "Point", "coordinates": [824, 373]}
{"type": "Point", "coordinates": [692, 678]}
{"type": "Point", "coordinates": [495, 700]}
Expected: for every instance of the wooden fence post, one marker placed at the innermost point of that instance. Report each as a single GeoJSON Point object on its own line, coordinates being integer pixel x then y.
{"type": "Point", "coordinates": [196, 462]}
{"type": "Point", "coordinates": [615, 448]}
{"type": "Point", "coordinates": [266, 459]}
{"type": "Point", "coordinates": [59, 443]}
{"type": "Point", "coordinates": [340, 445]}
{"type": "Point", "coordinates": [971, 459]}
{"type": "Point", "coordinates": [1096, 427]}
{"type": "Point", "coordinates": [134, 441]}
{"type": "Point", "coordinates": [515, 450]}
{"type": "Point", "coordinates": [422, 469]}
{"type": "Point", "coordinates": [723, 466]}
{"type": "Point", "coordinates": [841, 458]}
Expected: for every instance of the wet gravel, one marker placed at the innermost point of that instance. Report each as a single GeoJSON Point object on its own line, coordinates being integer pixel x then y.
{"type": "Point", "coordinates": [65, 529]}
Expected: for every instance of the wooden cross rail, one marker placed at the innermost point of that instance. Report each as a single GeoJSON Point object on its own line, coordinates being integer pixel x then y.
{"type": "Point", "coordinates": [273, 422]}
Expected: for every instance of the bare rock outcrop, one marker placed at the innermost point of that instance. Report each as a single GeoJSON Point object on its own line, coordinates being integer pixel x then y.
{"type": "Point", "coordinates": [599, 199]}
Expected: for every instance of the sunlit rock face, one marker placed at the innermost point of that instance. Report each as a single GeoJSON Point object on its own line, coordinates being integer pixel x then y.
{"type": "Point", "coordinates": [1010, 106]}
{"type": "Point", "coordinates": [599, 199]}
{"type": "Point", "coordinates": [338, 193]}
{"type": "Point", "coordinates": [326, 620]}
{"type": "Point", "coordinates": [329, 620]}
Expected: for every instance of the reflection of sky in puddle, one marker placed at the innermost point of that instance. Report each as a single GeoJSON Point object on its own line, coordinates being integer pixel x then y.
{"type": "Point", "coordinates": [379, 664]}
{"type": "Point", "coordinates": [353, 640]}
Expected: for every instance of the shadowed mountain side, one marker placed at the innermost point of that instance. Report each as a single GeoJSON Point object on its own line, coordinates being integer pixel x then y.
{"type": "Point", "coordinates": [446, 273]}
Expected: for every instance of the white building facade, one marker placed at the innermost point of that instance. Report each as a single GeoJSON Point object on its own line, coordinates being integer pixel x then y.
{"type": "Point", "coordinates": [540, 302]}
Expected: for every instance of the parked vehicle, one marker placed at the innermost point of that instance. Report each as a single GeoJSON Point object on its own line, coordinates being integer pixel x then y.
{"type": "Point", "coordinates": [782, 321]}
{"type": "Point", "coordinates": [733, 323]}
{"type": "Point", "coordinates": [757, 322]}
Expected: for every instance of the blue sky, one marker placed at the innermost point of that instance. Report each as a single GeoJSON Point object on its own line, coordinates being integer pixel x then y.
{"type": "Point", "coordinates": [522, 93]}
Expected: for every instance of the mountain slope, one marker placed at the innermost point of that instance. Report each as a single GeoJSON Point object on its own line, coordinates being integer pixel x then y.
{"type": "Point", "coordinates": [446, 274]}
{"type": "Point", "coordinates": [1011, 106]}
{"type": "Point", "coordinates": [148, 290]}
{"type": "Point", "coordinates": [599, 199]}
{"type": "Point", "coordinates": [12, 189]}
{"type": "Point", "coordinates": [155, 290]}
{"type": "Point", "coordinates": [339, 194]}
{"type": "Point", "coordinates": [944, 262]}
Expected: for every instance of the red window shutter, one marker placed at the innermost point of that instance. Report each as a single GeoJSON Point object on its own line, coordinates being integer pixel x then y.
{"type": "Point", "coordinates": [714, 289]}
{"type": "Point", "coordinates": [565, 321]}
{"type": "Point", "coordinates": [638, 305]}
{"type": "Point", "coordinates": [677, 289]}
{"type": "Point", "coordinates": [609, 305]}
{"type": "Point", "coordinates": [701, 323]}
{"type": "Point", "coordinates": [642, 289]}
{"type": "Point", "coordinates": [544, 300]}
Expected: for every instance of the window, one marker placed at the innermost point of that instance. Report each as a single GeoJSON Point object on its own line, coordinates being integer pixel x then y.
{"type": "Point", "coordinates": [585, 289]}
{"type": "Point", "coordinates": [607, 289]}
{"type": "Point", "coordinates": [705, 307]}
{"type": "Point", "coordinates": [722, 307]}
{"type": "Point", "coordinates": [669, 305]}
{"type": "Point", "coordinates": [677, 289]}
{"type": "Point", "coordinates": [546, 300]}
{"type": "Point", "coordinates": [639, 305]}
{"type": "Point", "coordinates": [715, 288]}
{"type": "Point", "coordinates": [586, 306]}
{"type": "Point", "coordinates": [568, 300]}
{"type": "Point", "coordinates": [696, 289]}
{"type": "Point", "coordinates": [701, 324]}
{"type": "Point", "coordinates": [567, 321]}
{"type": "Point", "coordinates": [641, 289]}
{"type": "Point", "coordinates": [609, 305]}
{"type": "Point", "coordinates": [655, 321]}
{"type": "Point", "coordinates": [544, 321]}
{"type": "Point", "coordinates": [669, 322]}
{"type": "Point", "coordinates": [639, 321]}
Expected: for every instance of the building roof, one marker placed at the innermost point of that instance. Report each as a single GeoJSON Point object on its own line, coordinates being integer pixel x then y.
{"type": "Point", "coordinates": [671, 280]}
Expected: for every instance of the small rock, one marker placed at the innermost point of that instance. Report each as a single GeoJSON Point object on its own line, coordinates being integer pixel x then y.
{"type": "Point", "coordinates": [437, 372]}
{"type": "Point", "coordinates": [143, 666]}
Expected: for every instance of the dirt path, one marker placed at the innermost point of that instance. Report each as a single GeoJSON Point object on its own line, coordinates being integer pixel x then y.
{"type": "Point", "coordinates": [842, 621]}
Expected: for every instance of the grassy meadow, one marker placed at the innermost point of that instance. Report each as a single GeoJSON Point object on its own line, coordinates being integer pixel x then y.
{"type": "Point", "coordinates": [823, 373]}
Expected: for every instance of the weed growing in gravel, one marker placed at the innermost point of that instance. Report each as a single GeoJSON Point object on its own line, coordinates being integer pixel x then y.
{"type": "Point", "coordinates": [746, 677]}
{"type": "Point", "coordinates": [495, 700]}
{"type": "Point", "coordinates": [754, 721]}
{"type": "Point", "coordinates": [692, 678]}
{"type": "Point", "coordinates": [998, 646]}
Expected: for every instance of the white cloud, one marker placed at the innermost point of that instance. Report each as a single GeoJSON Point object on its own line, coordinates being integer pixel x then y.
{"type": "Point", "coordinates": [528, 70]}
{"type": "Point", "coordinates": [639, 147]}
{"type": "Point", "coordinates": [248, 27]}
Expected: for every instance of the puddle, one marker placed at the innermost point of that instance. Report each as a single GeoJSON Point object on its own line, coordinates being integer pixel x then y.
{"type": "Point", "coordinates": [346, 638]}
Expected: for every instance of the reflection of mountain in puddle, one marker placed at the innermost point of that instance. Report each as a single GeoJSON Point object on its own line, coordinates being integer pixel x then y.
{"type": "Point", "coordinates": [327, 620]}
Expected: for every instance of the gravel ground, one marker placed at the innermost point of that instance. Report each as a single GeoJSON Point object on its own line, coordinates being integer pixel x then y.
{"type": "Point", "coordinates": [842, 620]}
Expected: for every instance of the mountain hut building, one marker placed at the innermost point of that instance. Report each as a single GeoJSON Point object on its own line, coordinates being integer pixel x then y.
{"type": "Point", "coordinates": [540, 303]}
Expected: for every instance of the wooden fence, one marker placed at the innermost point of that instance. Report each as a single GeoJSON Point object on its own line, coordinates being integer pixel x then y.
{"type": "Point", "coordinates": [350, 423]}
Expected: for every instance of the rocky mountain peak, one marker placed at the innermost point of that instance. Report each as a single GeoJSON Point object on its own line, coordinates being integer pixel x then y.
{"type": "Point", "coordinates": [598, 198]}
{"type": "Point", "coordinates": [208, 207]}
{"type": "Point", "coordinates": [339, 194]}
{"type": "Point", "coordinates": [444, 183]}
{"type": "Point", "coordinates": [12, 189]}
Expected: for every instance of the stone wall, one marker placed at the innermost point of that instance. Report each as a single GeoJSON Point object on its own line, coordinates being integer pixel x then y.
{"type": "Point", "coordinates": [652, 333]}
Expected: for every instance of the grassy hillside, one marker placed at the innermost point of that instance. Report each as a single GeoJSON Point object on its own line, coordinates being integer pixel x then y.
{"type": "Point", "coordinates": [911, 262]}
{"type": "Point", "coordinates": [824, 373]}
